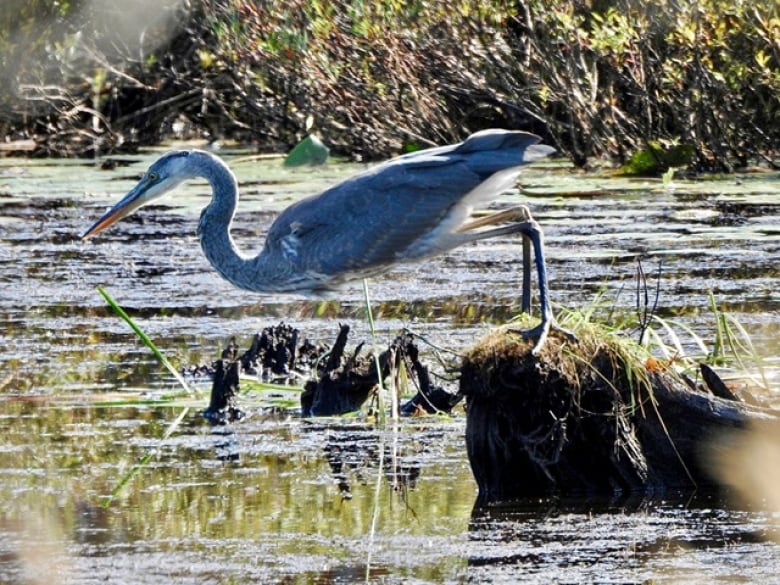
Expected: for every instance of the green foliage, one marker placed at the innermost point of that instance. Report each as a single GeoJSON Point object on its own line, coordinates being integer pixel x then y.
{"type": "Point", "coordinates": [144, 461]}
{"type": "Point", "coordinates": [668, 345]}
{"type": "Point", "coordinates": [656, 159]}
{"type": "Point", "coordinates": [629, 72]}
{"type": "Point", "coordinates": [605, 78]}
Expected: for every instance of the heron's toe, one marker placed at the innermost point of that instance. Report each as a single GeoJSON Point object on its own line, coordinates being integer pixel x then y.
{"type": "Point", "coordinates": [542, 331]}
{"type": "Point", "coordinates": [569, 335]}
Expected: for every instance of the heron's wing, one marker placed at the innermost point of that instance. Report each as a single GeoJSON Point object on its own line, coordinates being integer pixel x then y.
{"type": "Point", "coordinates": [400, 210]}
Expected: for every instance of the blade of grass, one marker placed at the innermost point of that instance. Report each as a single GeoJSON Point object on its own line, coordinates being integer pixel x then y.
{"type": "Point", "coordinates": [376, 508]}
{"type": "Point", "coordinates": [693, 336]}
{"type": "Point", "coordinates": [653, 341]}
{"type": "Point", "coordinates": [718, 347]}
{"type": "Point", "coordinates": [743, 349]}
{"type": "Point", "coordinates": [393, 398]}
{"type": "Point", "coordinates": [171, 427]}
{"type": "Point", "coordinates": [672, 334]}
{"type": "Point", "coordinates": [146, 340]}
{"type": "Point", "coordinates": [145, 459]}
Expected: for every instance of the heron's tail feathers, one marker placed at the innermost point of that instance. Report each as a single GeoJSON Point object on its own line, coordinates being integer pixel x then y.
{"type": "Point", "coordinates": [494, 150]}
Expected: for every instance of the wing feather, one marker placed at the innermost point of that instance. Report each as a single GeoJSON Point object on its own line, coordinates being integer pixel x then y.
{"type": "Point", "coordinates": [398, 209]}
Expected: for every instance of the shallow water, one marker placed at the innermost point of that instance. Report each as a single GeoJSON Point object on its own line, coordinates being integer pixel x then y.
{"type": "Point", "coordinates": [280, 499]}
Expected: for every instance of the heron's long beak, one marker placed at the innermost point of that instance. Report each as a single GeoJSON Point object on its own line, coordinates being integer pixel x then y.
{"type": "Point", "coordinates": [127, 205]}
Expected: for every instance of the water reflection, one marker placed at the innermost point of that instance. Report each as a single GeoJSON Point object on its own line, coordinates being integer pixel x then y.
{"type": "Point", "coordinates": [226, 444]}
{"type": "Point", "coordinates": [634, 540]}
{"type": "Point", "coordinates": [275, 509]}
{"type": "Point", "coordinates": [356, 454]}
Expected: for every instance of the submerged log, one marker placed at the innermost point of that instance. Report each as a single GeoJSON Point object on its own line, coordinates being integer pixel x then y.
{"type": "Point", "coordinates": [586, 418]}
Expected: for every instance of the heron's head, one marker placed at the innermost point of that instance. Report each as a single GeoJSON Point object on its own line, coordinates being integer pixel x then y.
{"type": "Point", "coordinates": [165, 173]}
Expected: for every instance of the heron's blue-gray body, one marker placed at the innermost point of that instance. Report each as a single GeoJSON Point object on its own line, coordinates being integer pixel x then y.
{"type": "Point", "coordinates": [402, 210]}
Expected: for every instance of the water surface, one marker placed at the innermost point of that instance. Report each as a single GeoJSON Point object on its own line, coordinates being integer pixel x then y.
{"type": "Point", "coordinates": [282, 500]}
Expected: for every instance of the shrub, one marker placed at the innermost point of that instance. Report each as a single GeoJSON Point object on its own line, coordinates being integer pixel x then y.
{"type": "Point", "coordinates": [604, 78]}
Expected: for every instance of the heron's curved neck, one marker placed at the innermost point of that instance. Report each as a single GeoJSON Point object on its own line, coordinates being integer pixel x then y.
{"type": "Point", "coordinates": [215, 222]}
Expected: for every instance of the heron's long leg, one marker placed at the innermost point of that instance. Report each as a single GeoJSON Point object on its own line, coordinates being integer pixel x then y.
{"type": "Point", "coordinates": [525, 300]}
{"type": "Point", "coordinates": [515, 214]}
{"type": "Point", "coordinates": [532, 232]}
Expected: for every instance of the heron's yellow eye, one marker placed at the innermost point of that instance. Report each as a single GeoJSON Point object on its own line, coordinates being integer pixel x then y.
{"type": "Point", "coordinates": [152, 176]}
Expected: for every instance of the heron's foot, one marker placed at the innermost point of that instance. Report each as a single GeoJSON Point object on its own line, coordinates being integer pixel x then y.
{"type": "Point", "coordinates": [542, 331]}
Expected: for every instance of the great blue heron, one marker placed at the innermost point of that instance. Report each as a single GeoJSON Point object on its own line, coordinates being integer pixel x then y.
{"type": "Point", "coordinates": [406, 209]}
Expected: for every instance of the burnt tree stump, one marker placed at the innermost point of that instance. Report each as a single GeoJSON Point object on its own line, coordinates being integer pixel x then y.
{"type": "Point", "coordinates": [278, 355]}
{"type": "Point", "coordinates": [275, 355]}
{"type": "Point", "coordinates": [579, 419]}
{"type": "Point", "coordinates": [345, 381]}
{"type": "Point", "coordinates": [223, 403]}
{"type": "Point", "coordinates": [343, 384]}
